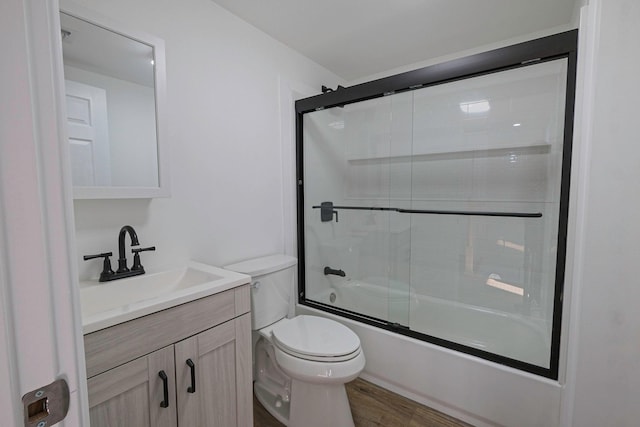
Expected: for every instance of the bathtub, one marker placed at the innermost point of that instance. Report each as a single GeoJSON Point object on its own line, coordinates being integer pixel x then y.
{"type": "Point", "coordinates": [474, 390]}
{"type": "Point", "coordinates": [494, 331]}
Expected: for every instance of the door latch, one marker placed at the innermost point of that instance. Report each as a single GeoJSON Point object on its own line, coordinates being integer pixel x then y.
{"type": "Point", "coordinates": [46, 406]}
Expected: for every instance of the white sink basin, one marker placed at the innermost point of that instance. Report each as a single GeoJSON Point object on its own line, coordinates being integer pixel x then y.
{"type": "Point", "coordinates": [109, 303]}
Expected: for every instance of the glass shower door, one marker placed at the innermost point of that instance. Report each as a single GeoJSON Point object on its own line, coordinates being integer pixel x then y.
{"type": "Point", "coordinates": [356, 249]}
{"type": "Point", "coordinates": [488, 144]}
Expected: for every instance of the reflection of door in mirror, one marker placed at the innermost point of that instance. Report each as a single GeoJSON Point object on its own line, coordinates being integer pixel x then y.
{"type": "Point", "coordinates": [87, 125]}
{"type": "Point", "coordinates": [119, 157]}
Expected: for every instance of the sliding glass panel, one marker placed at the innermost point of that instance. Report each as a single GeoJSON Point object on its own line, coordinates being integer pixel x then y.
{"type": "Point", "coordinates": [489, 143]}
{"type": "Point", "coordinates": [339, 244]}
{"type": "Point", "coordinates": [358, 259]}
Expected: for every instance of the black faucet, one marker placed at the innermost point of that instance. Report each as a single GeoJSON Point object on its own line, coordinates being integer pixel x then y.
{"type": "Point", "coordinates": [329, 270]}
{"type": "Point", "coordinates": [123, 271]}
{"type": "Point", "coordinates": [122, 258]}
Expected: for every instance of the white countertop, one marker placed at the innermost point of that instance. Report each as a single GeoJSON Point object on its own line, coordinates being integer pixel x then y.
{"type": "Point", "coordinates": [107, 304]}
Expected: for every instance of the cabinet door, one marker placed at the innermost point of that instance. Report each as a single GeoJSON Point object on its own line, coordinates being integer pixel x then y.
{"type": "Point", "coordinates": [220, 360]}
{"type": "Point", "coordinates": [131, 394]}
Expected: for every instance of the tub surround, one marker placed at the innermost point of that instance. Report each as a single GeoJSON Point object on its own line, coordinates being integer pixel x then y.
{"type": "Point", "coordinates": [471, 325]}
{"type": "Point", "coordinates": [451, 190]}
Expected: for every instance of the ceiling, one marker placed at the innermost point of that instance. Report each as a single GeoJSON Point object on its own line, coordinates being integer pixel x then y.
{"type": "Point", "coordinates": [358, 38]}
{"type": "Point", "coordinates": [96, 49]}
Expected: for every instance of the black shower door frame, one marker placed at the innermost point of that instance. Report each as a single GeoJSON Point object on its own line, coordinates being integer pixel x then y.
{"type": "Point", "coordinates": [558, 46]}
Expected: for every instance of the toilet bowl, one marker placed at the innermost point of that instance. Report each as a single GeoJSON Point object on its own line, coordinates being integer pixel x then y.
{"type": "Point", "coordinates": [301, 363]}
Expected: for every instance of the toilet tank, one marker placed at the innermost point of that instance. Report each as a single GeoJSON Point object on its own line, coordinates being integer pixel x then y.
{"type": "Point", "coordinates": [272, 283]}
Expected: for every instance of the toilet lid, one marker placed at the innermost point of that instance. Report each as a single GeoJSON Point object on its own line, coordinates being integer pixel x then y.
{"type": "Point", "coordinates": [315, 337]}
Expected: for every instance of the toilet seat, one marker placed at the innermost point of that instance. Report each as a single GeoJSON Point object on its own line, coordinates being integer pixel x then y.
{"type": "Point", "coordinates": [315, 338]}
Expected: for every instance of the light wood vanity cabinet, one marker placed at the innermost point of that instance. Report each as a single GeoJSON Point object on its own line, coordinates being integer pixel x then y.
{"type": "Point", "coordinates": [213, 333]}
{"type": "Point", "coordinates": [130, 394]}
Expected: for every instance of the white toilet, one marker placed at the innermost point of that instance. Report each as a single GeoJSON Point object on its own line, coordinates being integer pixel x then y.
{"type": "Point", "coordinates": [300, 364]}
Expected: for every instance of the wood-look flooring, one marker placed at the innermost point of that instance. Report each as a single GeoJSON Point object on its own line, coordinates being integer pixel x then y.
{"type": "Point", "coordinates": [373, 406]}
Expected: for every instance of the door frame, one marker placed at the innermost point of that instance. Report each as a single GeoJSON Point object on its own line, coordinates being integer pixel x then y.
{"type": "Point", "coordinates": [40, 326]}
{"type": "Point", "coordinates": [289, 92]}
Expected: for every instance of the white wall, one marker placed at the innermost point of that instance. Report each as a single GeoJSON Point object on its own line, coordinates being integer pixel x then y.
{"type": "Point", "coordinates": [224, 136]}
{"type": "Point", "coordinates": [607, 354]}
{"type": "Point", "coordinates": [455, 55]}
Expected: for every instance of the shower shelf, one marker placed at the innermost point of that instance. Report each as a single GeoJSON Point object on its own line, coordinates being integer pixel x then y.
{"type": "Point", "coordinates": [452, 154]}
{"type": "Point", "coordinates": [327, 210]}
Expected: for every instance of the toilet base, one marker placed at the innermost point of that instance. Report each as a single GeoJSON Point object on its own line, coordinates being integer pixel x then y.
{"type": "Point", "coordinates": [273, 404]}
{"type": "Point", "coordinates": [312, 405]}
{"type": "Point", "coordinates": [319, 405]}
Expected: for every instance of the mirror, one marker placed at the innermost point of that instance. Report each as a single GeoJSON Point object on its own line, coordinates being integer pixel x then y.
{"type": "Point", "coordinates": [114, 93]}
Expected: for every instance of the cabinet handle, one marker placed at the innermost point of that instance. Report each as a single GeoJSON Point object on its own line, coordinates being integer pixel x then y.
{"type": "Point", "coordinates": [192, 366]}
{"type": "Point", "coordinates": [165, 389]}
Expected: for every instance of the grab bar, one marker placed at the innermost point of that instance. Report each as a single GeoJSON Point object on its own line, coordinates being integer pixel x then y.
{"type": "Point", "coordinates": [327, 210]}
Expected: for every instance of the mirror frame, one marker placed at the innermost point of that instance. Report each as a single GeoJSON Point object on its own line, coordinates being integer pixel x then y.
{"type": "Point", "coordinates": [162, 190]}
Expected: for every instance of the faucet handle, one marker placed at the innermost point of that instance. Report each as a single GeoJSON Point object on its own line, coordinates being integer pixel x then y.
{"type": "Point", "coordinates": [138, 250]}
{"type": "Point", "coordinates": [107, 272]}
{"type": "Point", "coordinates": [136, 257]}
{"type": "Point", "coordinates": [102, 255]}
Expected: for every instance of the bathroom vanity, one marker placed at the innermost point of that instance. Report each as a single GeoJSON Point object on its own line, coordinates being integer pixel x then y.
{"type": "Point", "coordinates": [188, 364]}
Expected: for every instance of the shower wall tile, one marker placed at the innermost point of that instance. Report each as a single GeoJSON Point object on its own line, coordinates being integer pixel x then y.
{"type": "Point", "coordinates": [442, 180]}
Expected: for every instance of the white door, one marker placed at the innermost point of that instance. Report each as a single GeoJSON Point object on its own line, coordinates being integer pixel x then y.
{"type": "Point", "coordinates": [40, 326]}
{"type": "Point", "coordinates": [88, 129]}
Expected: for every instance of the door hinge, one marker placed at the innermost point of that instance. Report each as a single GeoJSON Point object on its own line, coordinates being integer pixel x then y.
{"type": "Point", "coordinates": [46, 406]}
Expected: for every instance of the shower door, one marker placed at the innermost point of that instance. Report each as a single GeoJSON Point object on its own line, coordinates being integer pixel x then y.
{"type": "Point", "coordinates": [439, 211]}
{"type": "Point", "coordinates": [347, 163]}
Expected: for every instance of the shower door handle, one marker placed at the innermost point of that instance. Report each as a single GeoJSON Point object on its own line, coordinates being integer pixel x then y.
{"type": "Point", "coordinates": [327, 212]}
